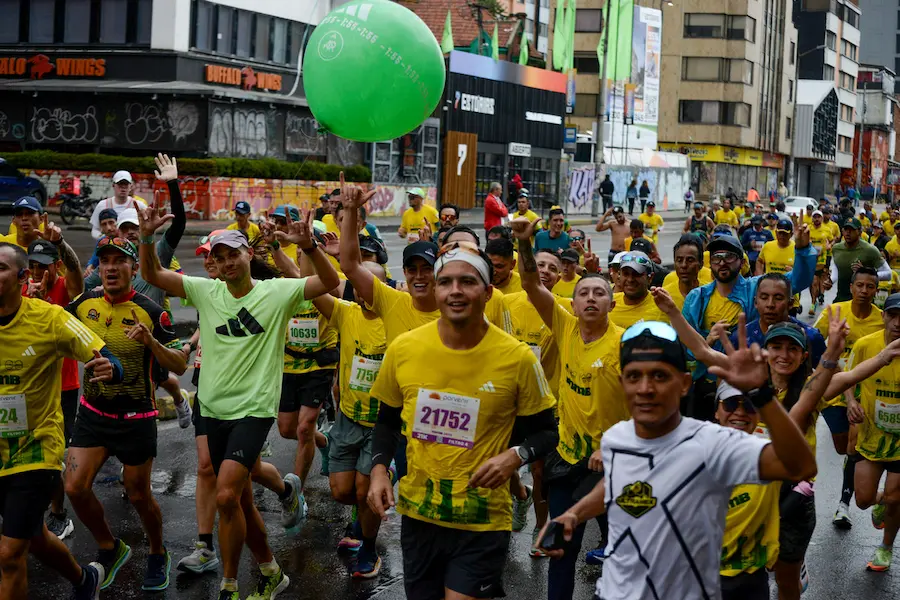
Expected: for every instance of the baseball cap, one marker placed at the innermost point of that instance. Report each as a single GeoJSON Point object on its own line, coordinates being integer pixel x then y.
{"type": "Point", "coordinates": [232, 238]}
{"type": "Point", "coordinates": [853, 224]}
{"type": "Point", "coordinates": [569, 255]}
{"type": "Point", "coordinates": [204, 242]}
{"type": "Point", "coordinates": [771, 216]}
{"type": "Point", "coordinates": [43, 252]}
{"type": "Point", "coordinates": [651, 203]}
{"type": "Point", "coordinates": [118, 244]}
{"type": "Point", "coordinates": [642, 245]}
{"type": "Point", "coordinates": [637, 261]}
{"type": "Point", "coordinates": [416, 192]}
{"type": "Point", "coordinates": [369, 244]}
{"type": "Point", "coordinates": [726, 243]}
{"type": "Point", "coordinates": [817, 212]}
{"type": "Point", "coordinates": [618, 210]}
{"type": "Point", "coordinates": [129, 215]}
{"type": "Point", "coordinates": [698, 205]}
{"type": "Point", "coordinates": [892, 302]}
{"type": "Point", "coordinates": [756, 219]}
{"type": "Point", "coordinates": [726, 391]}
{"type": "Point", "coordinates": [784, 225]}
{"type": "Point", "coordinates": [281, 211]}
{"type": "Point", "coordinates": [790, 330]}
{"type": "Point", "coordinates": [335, 192]}
{"type": "Point", "coordinates": [122, 176]}
{"type": "Point", "coordinates": [28, 203]}
{"type": "Point", "coordinates": [242, 208]}
{"type": "Point", "coordinates": [420, 249]}
{"type": "Point", "coordinates": [877, 224]}
{"type": "Point", "coordinates": [324, 197]}
{"type": "Point", "coordinates": [652, 341]}
{"type": "Point", "coordinates": [108, 213]}
{"type": "Point", "coordinates": [617, 259]}
{"type": "Point", "coordinates": [523, 192]}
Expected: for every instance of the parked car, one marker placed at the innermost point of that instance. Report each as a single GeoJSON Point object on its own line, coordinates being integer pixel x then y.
{"type": "Point", "coordinates": [796, 205]}
{"type": "Point", "coordinates": [14, 184]}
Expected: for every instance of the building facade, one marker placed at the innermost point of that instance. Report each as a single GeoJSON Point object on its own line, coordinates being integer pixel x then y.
{"type": "Point", "coordinates": [729, 75]}
{"type": "Point", "coordinates": [873, 170]}
{"type": "Point", "coordinates": [879, 26]}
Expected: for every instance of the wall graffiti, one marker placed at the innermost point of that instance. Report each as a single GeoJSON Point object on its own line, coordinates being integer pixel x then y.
{"type": "Point", "coordinates": [250, 133]}
{"type": "Point", "coordinates": [246, 131]}
{"type": "Point", "coordinates": [64, 125]}
{"type": "Point", "coordinates": [667, 185]}
{"type": "Point", "coordinates": [581, 187]}
{"type": "Point", "coordinates": [144, 123]}
{"type": "Point", "coordinates": [221, 131]}
{"type": "Point", "coordinates": [184, 118]}
{"type": "Point", "coordinates": [301, 135]}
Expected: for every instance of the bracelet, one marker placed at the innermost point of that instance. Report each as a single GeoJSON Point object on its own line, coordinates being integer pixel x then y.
{"type": "Point", "coordinates": [312, 249]}
{"type": "Point", "coordinates": [761, 396]}
{"type": "Point", "coordinates": [146, 239]}
{"type": "Point", "coordinates": [275, 245]}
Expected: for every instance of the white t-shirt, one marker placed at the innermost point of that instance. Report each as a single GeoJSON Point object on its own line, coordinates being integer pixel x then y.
{"type": "Point", "coordinates": [665, 531]}
{"type": "Point", "coordinates": [110, 203]}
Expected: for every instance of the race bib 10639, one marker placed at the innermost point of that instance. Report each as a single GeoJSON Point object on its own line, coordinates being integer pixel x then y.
{"type": "Point", "coordinates": [445, 418]}
{"type": "Point", "coordinates": [303, 332]}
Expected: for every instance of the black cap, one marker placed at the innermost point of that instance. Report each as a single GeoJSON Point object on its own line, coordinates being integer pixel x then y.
{"type": "Point", "coordinates": [728, 243]}
{"type": "Point", "coordinates": [853, 224]}
{"type": "Point", "coordinates": [756, 219]}
{"type": "Point", "coordinates": [784, 225]}
{"type": "Point", "coordinates": [618, 210]}
{"type": "Point", "coordinates": [892, 302]}
{"type": "Point", "coordinates": [421, 249]}
{"type": "Point", "coordinates": [642, 245]}
{"type": "Point", "coordinates": [336, 192]}
{"type": "Point", "coordinates": [43, 252]}
{"type": "Point", "coordinates": [242, 208]}
{"type": "Point", "coordinates": [371, 244]}
{"type": "Point", "coordinates": [108, 213]}
{"type": "Point", "coordinates": [569, 255]}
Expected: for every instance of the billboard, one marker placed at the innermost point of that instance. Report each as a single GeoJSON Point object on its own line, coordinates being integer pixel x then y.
{"type": "Point", "coordinates": [632, 102]}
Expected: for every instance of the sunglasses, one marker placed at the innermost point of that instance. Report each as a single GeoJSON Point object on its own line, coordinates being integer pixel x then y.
{"type": "Point", "coordinates": [468, 247]}
{"type": "Point", "coordinates": [576, 239]}
{"type": "Point", "coordinates": [657, 329]}
{"type": "Point", "coordinates": [636, 259]}
{"type": "Point", "coordinates": [731, 404]}
{"type": "Point", "coordinates": [722, 257]}
{"type": "Point", "coordinates": [117, 242]}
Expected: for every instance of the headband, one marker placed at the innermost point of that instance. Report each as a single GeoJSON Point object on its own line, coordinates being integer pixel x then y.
{"type": "Point", "coordinates": [466, 256]}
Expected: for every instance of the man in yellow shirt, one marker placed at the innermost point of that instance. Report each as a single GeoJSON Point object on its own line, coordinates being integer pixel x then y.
{"type": "Point", "coordinates": [777, 256]}
{"type": "Point", "coordinates": [243, 223]}
{"type": "Point", "coordinates": [501, 254]}
{"type": "Point", "coordinates": [27, 213]}
{"type": "Point", "coordinates": [416, 216]}
{"type": "Point", "coordinates": [634, 303]}
{"type": "Point", "coordinates": [591, 399]}
{"type": "Point", "coordinates": [893, 251]}
{"type": "Point", "coordinates": [821, 237]}
{"type": "Point", "coordinates": [688, 263]}
{"type": "Point", "coordinates": [523, 207]}
{"type": "Point", "coordinates": [456, 389]}
{"type": "Point", "coordinates": [570, 277]}
{"type": "Point", "coordinates": [726, 216]}
{"type": "Point", "coordinates": [653, 221]}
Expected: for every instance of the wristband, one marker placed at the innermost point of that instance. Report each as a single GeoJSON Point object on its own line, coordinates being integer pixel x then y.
{"type": "Point", "coordinates": [831, 365]}
{"type": "Point", "coordinates": [312, 249]}
{"type": "Point", "coordinates": [146, 239]}
{"type": "Point", "coordinates": [275, 245]}
{"type": "Point", "coordinates": [761, 396]}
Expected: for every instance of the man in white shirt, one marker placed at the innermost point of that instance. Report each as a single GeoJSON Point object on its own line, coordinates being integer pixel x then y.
{"type": "Point", "coordinates": [668, 478]}
{"type": "Point", "coordinates": [123, 185]}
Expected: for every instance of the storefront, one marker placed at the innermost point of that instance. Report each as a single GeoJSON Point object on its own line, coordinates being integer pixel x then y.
{"type": "Point", "coordinates": [136, 102]}
{"type": "Point", "coordinates": [715, 168]}
{"type": "Point", "coordinates": [500, 120]}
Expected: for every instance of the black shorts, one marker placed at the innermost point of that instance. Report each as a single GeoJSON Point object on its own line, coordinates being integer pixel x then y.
{"type": "Point", "coordinates": [198, 419]}
{"type": "Point", "coordinates": [746, 586]}
{"type": "Point", "coordinates": [24, 497]}
{"type": "Point", "coordinates": [132, 441]}
{"type": "Point", "coordinates": [889, 466]}
{"type": "Point", "coordinates": [797, 527]}
{"type": "Point", "coordinates": [305, 389]}
{"type": "Point", "coordinates": [467, 562]}
{"type": "Point", "coordinates": [240, 440]}
{"type": "Point", "coordinates": [69, 401]}
{"type": "Point", "coordinates": [836, 418]}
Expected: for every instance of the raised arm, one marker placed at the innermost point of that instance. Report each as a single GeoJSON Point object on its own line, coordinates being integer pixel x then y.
{"type": "Point", "coordinates": [689, 336]}
{"type": "Point", "coordinates": [603, 224]}
{"type": "Point", "coordinates": [74, 275]}
{"type": "Point", "coordinates": [301, 233]}
{"type": "Point", "coordinates": [845, 380]}
{"type": "Point", "coordinates": [153, 273]}
{"type": "Point", "coordinates": [324, 303]}
{"type": "Point", "coordinates": [351, 260]}
{"type": "Point", "coordinates": [540, 297]}
{"type": "Point", "coordinates": [167, 171]}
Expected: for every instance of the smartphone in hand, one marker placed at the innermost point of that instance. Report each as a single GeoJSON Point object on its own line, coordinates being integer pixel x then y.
{"type": "Point", "coordinates": [553, 539]}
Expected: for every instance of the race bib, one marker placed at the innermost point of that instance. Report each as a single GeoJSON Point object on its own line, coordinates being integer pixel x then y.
{"type": "Point", "coordinates": [303, 332]}
{"type": "Point", "coordinates": [445, 418]}
{"type": "Point", "coordinates": [412, 236]}
{"type": "Point", "coordinates": [887, 417]}
{"type": "Point", "coordinates": [536, 350]}
{"type": "Point", "coordinates": [13, 416]}
{"type": "Point", "coordinates": [198, 357]}
{"type": "Point", "coordinates": [363, 373]}
{"type": "Point", "coordinates": [880, 297]}
{"type": "Point", "coordinates": [762, 431]}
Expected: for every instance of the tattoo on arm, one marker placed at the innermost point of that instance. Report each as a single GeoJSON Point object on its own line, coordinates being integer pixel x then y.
{"type": "Point", "coordinates": [809, 382]}
{"type": "Point", "coordinates": [68, 257]}
{"type": "Point", "coordinates": [526, 255]}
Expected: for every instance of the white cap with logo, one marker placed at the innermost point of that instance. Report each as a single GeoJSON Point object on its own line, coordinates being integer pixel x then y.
{"type": "Point", "coordinates": [122, 176]}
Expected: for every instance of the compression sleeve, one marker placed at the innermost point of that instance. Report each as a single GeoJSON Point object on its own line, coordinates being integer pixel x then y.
{"type": "Point", "coordinates": [386, 436]}
{"type": "Point", "coordinates": [884, 271]}
{"type": "Point", "coordinates": [176, 229]}
{"type": "Point", "coordinates": [118, 371]}
{"type": "Point", "coordinates": [539, 432]}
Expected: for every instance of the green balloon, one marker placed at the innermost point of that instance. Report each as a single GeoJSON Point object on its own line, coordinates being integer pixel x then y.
{"type": "Point", "coordinates": [372, 71]}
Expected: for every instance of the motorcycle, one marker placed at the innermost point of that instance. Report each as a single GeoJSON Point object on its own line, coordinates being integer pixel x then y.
{"type": "Point", "coordinates": [74, 206]}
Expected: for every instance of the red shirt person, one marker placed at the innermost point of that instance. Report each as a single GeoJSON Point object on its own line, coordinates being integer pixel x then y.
{"type": "Point", "coordinates": [494, 209]}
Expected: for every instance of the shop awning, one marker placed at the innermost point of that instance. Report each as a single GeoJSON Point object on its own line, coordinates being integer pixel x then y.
{"type": "Point", "coordinates": [121, 86]}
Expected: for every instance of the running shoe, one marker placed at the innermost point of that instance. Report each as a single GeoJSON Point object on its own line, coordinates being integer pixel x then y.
{"type": "Point", "coordinates": [157, 577]}
{"type": "Point", "coordinates": [349, 544]}
{"type": "Point", "coordinates": [881, 561]}
{"type": "Point", "coordinates": [812, 310]}
{"type": "Point", "coordinates": [113, 560]}
{"type": "Point", "coordinates": [323, 471]}
{"type": "Point", "coordinates": [228, 595]}
{"type": "Point", "coordinates": [595, 556]}
{"type": "Point", "coordinates": [199, 561]}
{"type": "Point", "coordinates": [822, 299]}
{"type": "Point", "coordinates": [90, 587]}
{"type": "Point", "coordinates": [60, 525]}
{"type": "Point", "coordinates": [841, 518]}
{"type": "Point", "coordinates": [184, 410]}
{"type": "Point", "coordinates": [270, 586]}
{"type": "Point", "coordinates": [878, 516]}
{"type": "Point", "coordinates": [804, 578]}
{"type": "Point", "coordinates": [520, 509]}
{"type": "Point", "coordinates": [535, 551]}
{"type": "Point", "coordinates": [290, 506]}
{"type": "Point", "coordinates": [368, 564]}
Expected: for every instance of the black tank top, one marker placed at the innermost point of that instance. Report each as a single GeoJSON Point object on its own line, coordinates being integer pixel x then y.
{"type": "Point", "coordinates": [699, 224]}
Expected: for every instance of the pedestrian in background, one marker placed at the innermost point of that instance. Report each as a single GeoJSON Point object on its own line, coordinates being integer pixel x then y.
{"type": "Point", "coordinates": [644, 194]}
{"type": "Point", "coordinates": [631, 195]}
{"type": "Point", "coordinates": [494, 209]}
{"type": "Point", "coordinates": [607, 189]}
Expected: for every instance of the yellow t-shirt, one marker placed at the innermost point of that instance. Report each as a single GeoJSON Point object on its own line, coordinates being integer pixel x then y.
{"type": "Point", "coordinates": [527, 326]}
{"type": "Point", "coordinates": [704, 277]}
{"type": "Point", "coordinates": [331, 226]}
{"type": "Point", "coordinates": [752, 526]}
{"type": "Point", "coordinates": [675, 291]}
{"type": "Point", "coordinates": [893, 250]}
{"type": "Point", "coordinates": [566, 288]}
{"type": "Point", "coordinates": [625, 315]}
{"type": "Point", "coordinates": [38, 337]}
{"type": "Point", "coordinates": [361, 355]}
{"type": "Point", "coordinates": [835, 232]}
{"type": "Point", "coordinates": [864, 221]}
{"type": "Point", "coordinates": [878, 439]}
{"type": "Point", "coordinates": [629, 239]}
{"type": "Point", "coordinates": [819, 237]}
{"type": "Point", "coordinates": [778, 259]}
{"type": "Point", "coordinates": [653, 222]}
{"type": "Point", "coordinates": [886, 288]}
{"type": "Point", "coordinates": [859, 328]}
{"type": "Point", "coordinates": [528, 214]}
{"type": "Point", "coordinates": [412, 221]}
{"type": "Point", "coordinates": [397, 311]}
{"type": "Point", "coordinates": [884, 217]}
{"type": "Point", "coordinates": [807, 220]}
{"type": "Point", "coordinates": [745, 266]}
{"type": "Point", "coordinates": [590, 392]}
{"type": "Point", "coordinates": [308, 331]}
{"type": "Point", "coordinates": [738, 212]}
{"type": "Point", "coordinates": [13, 230]}
{"type": "Point", "coordinates": [720, 308]}
{"type": "Point", "coordinates": [253, 231]}
{"type": "Point", "coordinates": [513, 284]}
{"type": "Point", "coordinates": [726, 217]}
{"type": "Point", "coordinates": [455, 418]}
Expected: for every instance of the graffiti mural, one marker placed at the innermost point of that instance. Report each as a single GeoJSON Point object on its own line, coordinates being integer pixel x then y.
{"type": "Point", "coordinates": [64, 125]}
{"type": "Point", "coordinates": [581, 188]}
{"type": "Point", "coordinates": [301, 135]}
{"type": "Point", "coordinates": [667, 185]}
{"type": "Point", "coordinates": [245, 131]}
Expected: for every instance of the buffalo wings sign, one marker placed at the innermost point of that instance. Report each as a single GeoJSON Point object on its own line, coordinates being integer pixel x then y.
{"type": "Point", "coordinates": [246, 78]}
{"type": "Point", "coordinates": [39, 66]}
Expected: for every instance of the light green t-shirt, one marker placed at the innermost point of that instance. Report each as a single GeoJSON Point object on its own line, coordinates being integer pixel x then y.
{"type": "Point", "coordinates": [243, 344]}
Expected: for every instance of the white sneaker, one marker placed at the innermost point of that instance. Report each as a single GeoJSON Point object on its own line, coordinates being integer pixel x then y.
{"type": "Point", "coordinates": [293, 508]}
{"type": "Point", "coordinates": [184, 411]}
{"type": "Point", "coordinates": [202, 559]}
{"type": "Point", "coordinates": [841, 518]}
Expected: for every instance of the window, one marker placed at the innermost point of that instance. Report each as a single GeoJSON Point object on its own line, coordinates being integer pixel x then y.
{"type": "Point", "coordinates": [587, 105]}
{"type": "Point", "coordinates": [741, 28]}
{"type": "Point", "coordinates": [144, 19]}
{"type": "Point", "coordinates": [113, 21]}
{"type": "Point", "coordinates": [542, 30]}
{"type": "Point", "coordinates": [793, 52]}
{"type": "Point", "coordinates": [700, 111]}
{"type": "Point", "coordinates": [244, 33]}
{"type": "Point", "coordinates": [40, 29]}
{"type": "Point", "coordinates": [225, 30]}
{"type": "Point", "coordinates": [295, 38]}
{"type": "Point", "coordinates": [848, 50]}
{"type": "Point", "coordinates": [587, 20]}
{"type": "Point", "coordinates": [845, 144]}
{"type": "Point", "coordinates": [203, 27]}
{"type": "Point", "coordinates": [846, 113]}
{"type": "Point", "coordinates": [828, 73]}
{"type": "Point", "coordinates": [587, 64]}
{"type": "Point", "coordinates": [702, 25]}
{"type": "Point", "coordinates": [736, 113]}
{"type": "Point", "coordinates": [279, 41]}
{"type": "Point", "coordinates": [788, 128]}
{"type": "Point", "coordinates": [897, 64]}
{"type": "Point", "coordinates": [848, 82]}
{"type": "Point", "coordinates": [78, 22]}
{"type": "Point", "coordinates": [9, 25]}
{"type": "Point", "coordinates": [830, 40]}
{"type": "Point", "coordinates": [851, 18]}
{"type": "Point", "coordinates": [261, 47]}
{"type": "Point", "coordinates": [696, 68]}
{"type": "Point", "coordinates": [740, 71]}
{"type": "Point", "coordinates": [790, 90]}
{"type": "Point", "coordinates": [529, 25]}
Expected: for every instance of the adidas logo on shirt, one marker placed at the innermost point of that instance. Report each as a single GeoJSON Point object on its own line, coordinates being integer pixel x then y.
{"type": "Point", "coordinates": [598, 364]}
{"type": "Point", "coordinates": [29, 351]}
{"type": "Point", "coordinates": [487, 387]}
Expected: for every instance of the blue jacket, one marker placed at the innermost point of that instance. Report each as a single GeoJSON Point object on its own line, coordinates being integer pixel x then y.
{"type": "Point", "coordinates": [744, 293]}
{"type": "Point", "coordinates": [813, 336]}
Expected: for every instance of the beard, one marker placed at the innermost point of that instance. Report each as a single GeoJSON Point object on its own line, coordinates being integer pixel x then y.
{"type": "Point", "coordinates": [732, 275]}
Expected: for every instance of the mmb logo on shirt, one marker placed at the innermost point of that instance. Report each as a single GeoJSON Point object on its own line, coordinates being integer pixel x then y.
{"type": "Point", "coordinates": [637, 499]}
{"type": "Point", "coordinates": [240, 326]}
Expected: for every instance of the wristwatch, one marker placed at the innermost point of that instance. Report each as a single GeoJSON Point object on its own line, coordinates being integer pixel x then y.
{"type": "Point", "coordinates": [522, 453]}
{"type": "Point", "coordinates": [761, 396]}
{"type": "Point", "coordinates": [831, 365]}
{"type": "Point", "coordinates": [312, 248]}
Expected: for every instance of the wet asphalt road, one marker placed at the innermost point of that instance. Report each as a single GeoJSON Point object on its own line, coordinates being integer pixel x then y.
{"type": "Point", "coordinates": [836, 560]}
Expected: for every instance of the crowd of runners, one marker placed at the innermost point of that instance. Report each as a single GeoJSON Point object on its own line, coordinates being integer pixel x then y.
{"type": "Point", "coordinates": [677, 408]}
